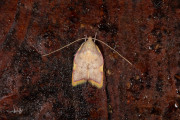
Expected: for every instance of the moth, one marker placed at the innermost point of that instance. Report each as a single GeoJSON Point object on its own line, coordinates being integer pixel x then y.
{"type": "Point", "coordinates": [88, 63]}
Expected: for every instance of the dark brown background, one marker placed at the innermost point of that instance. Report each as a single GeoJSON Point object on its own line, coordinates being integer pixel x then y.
{"type": "Point", "coordinates": [146, 32]}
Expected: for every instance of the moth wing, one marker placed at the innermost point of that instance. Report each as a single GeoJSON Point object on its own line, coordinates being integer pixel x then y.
{"type": "Point", "coordinates": [80, 72]}
{"type": "Point", "coordinates": [88, 65]}
{"type": "Point", "coordinates": [96, 70]}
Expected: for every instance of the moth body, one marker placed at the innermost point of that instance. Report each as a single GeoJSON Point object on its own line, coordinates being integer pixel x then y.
{"type": "Point", "coordinates": [88, 65]}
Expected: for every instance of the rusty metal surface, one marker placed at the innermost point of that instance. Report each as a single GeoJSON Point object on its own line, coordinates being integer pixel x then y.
{"type": "Point", "coordinates": [146, 32]}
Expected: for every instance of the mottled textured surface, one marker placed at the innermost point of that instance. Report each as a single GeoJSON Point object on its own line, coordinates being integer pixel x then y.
{"type": "Point", "coordinates": [146, 32]}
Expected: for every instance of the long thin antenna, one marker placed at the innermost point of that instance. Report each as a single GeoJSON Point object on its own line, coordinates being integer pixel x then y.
{"type": "Point", "coordinates": [86, 38]}
{"type": "Point", "coordinates": [114, 51]}
{"type": "Point", "coordinates": [63, 47]}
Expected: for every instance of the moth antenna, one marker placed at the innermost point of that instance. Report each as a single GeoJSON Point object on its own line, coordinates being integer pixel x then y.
{"type": "Point", "coordinates": [63, 47]}
{"type": "Point", "coordinates": [114, 51]}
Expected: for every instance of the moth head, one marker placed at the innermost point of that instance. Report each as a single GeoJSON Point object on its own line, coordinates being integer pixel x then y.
{"type": "Point", "coordinates": [89, 44]}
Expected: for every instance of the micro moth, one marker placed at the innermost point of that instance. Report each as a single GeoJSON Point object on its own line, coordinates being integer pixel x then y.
{"type": "Point", "coordinates": [88, 63]}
